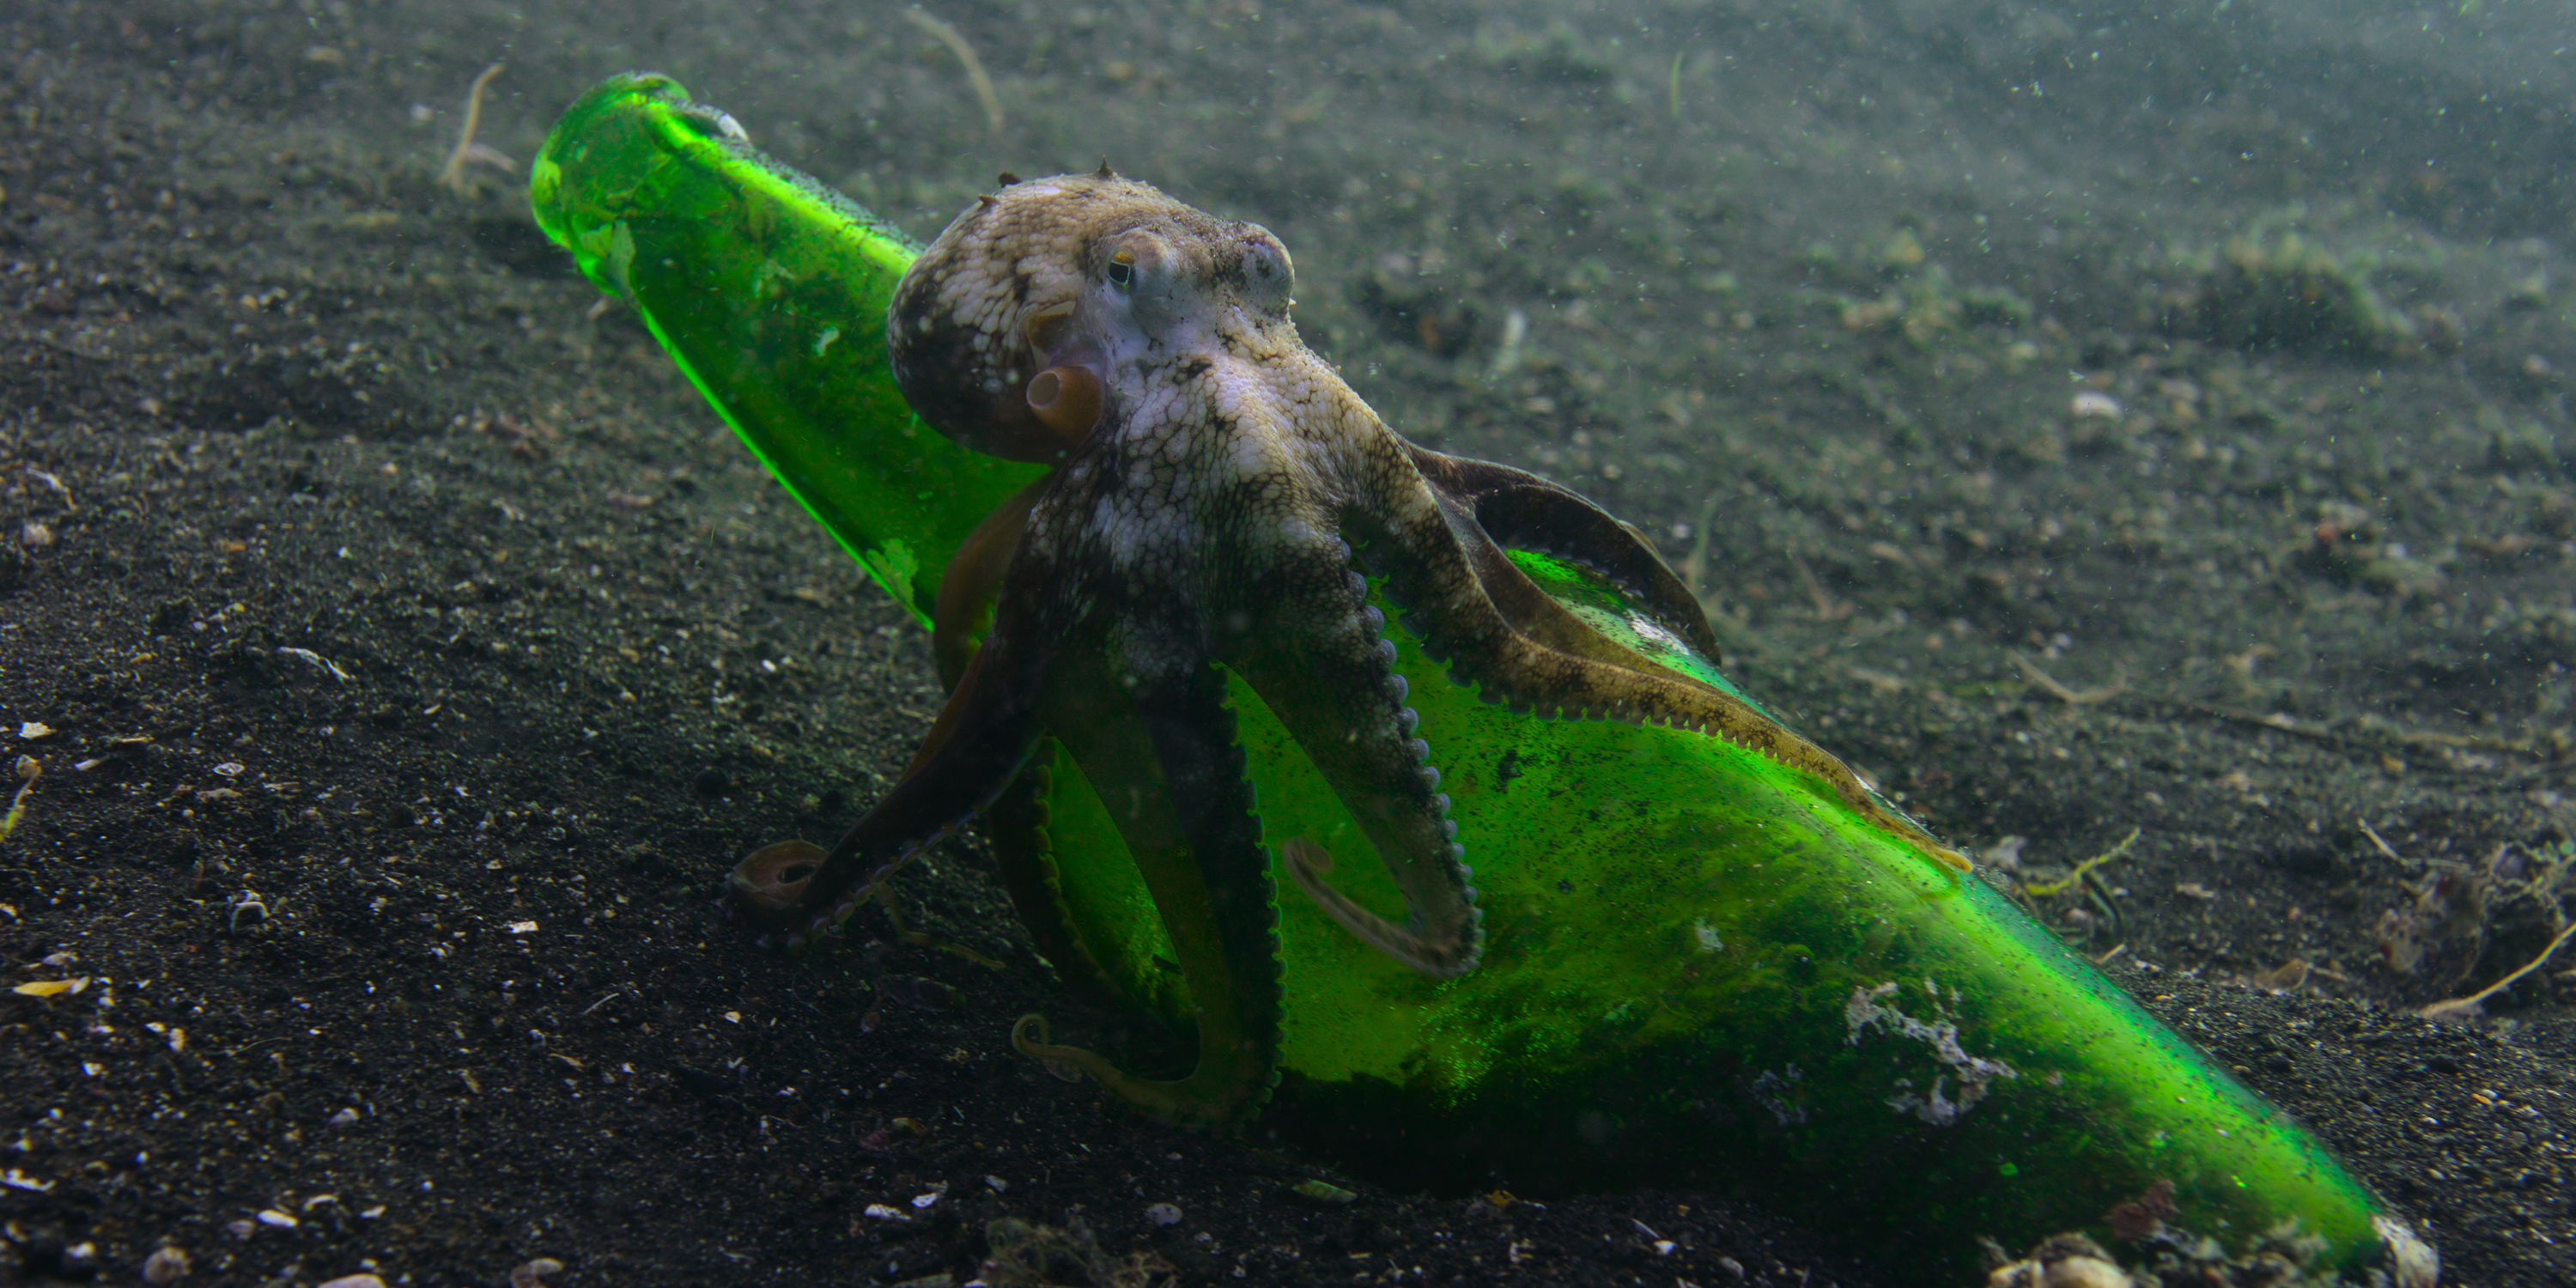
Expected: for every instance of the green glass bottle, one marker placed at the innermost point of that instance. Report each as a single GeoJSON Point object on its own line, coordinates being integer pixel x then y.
{"type": "Point", "coordinates": [1701, 966]}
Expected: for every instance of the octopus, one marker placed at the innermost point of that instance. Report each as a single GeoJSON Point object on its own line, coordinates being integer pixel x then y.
{"type": "Point", "coordinates": [1221, 504]}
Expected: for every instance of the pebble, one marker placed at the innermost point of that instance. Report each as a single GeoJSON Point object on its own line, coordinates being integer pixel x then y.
{"type": "Point", "coordinates": [345, 1118]}
{"type": "Point", "coordinates": [355, 1281]}
{"type": "Point", "coordinates": [533, 1274]}
{"type": "Point", "coordinates": [2092, 405]}
{"type": "Point", "coordinates": [165, 1266]}
{"type": "Point", "coordinates": [1163, 1214]}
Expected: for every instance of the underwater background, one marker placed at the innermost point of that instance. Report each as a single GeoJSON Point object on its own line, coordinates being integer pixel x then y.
{"type": "Point", "coordinates": [2124, 433]}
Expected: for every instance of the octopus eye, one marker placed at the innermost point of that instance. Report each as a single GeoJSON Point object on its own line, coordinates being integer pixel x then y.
{"type": "Point", "coordinates": [1122, 271]}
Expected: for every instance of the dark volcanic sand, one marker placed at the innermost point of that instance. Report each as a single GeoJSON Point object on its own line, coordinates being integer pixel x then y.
{"type": "Point", "coordinates": [565, 651]}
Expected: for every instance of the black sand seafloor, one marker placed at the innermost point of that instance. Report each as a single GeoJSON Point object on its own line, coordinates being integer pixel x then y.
{"type": "Point", "coordinates": [2096, 422]}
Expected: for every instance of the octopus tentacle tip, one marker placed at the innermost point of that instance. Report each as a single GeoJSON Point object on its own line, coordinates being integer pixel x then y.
{"type": "Point", "coordinates": [1316, 858]}
{"type": "Point", "coordinates": [769, 881]}
{"type": "Point", "coordinates": [1066, 1062]}
{"type": "Point", "coordinates": [1444, 956]}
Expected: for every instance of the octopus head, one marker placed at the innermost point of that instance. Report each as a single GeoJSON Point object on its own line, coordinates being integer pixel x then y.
{"type": "Point", "coordinates": [1008, 334]}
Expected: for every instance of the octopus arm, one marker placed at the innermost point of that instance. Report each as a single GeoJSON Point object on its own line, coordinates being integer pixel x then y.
{"type": "Point", "coordinates": [1188, 819]}
{"type": "Point", "coordinates": [1021, 825]}
{"type": "Point", "coordinates": [1021, 821]}
{"type": "Point", "coordinates": [1462, 602]}
{"type": "Point", "coordinates": [1328, 670]}
{"type": "Point", "coordinates": [983, 735]}
{"type": "Point", "coordinates": [1525, 607]}
{"type": "Point", "coordinates": [974, 577]}
{"type": "Point", "coordinates": [1522, 511]}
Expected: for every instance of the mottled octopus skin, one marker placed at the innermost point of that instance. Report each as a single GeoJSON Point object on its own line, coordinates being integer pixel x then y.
{"type": "Point", "coordinates": [1221, 511]}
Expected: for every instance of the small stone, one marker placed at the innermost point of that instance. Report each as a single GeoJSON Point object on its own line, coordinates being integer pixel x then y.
{"type": "Point", "coordinates": [1163, 1214]}
{"type": "Point", "coordinates": [2086, 1272]}
{"type": "Point", "coordinates": [34, 729]}
{"type": "Point", "coordinates": [165, 1266]}
{"type": "Point", "coordinates": [533, 1273]}
{"type": "Point", "coordinates": [1324, 1192]}
{"type": "Point", "coordinates": [355, 1281]}
{"type": "Point", "coordinates": [276, 1218]}
{"type": "Point", "coordinates": [35, 534]}
{"type": "Point", "coordinates": [345, 1118]}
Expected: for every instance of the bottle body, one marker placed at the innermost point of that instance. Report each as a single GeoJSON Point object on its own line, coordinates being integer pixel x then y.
{"type": "Point", "coordinates": [1701, 966]}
